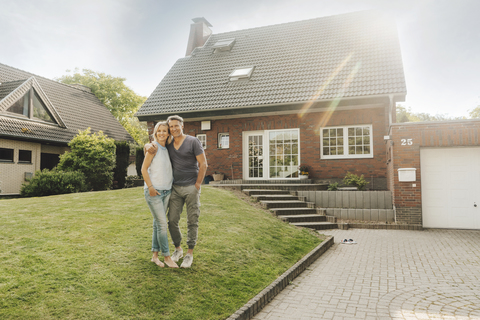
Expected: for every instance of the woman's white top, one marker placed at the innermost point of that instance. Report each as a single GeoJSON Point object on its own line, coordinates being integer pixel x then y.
{"type": "Point", "coordinates": [160, 170]}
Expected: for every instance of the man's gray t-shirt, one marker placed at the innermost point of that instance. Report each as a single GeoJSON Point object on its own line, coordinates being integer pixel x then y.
{"type": "Point", "coordinates": [184, 161]}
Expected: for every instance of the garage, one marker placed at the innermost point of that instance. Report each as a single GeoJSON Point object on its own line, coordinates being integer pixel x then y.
{"type": "Point", "coordinates": [450, 185]}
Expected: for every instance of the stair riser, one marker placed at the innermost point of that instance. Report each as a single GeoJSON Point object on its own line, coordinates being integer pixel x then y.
{"type": "Point", "coordinates": [256, 192]}
{"type": "Point", "coordinates": [285, 205]}
{"type": "Point", "coordinates": [267, 198]}
{"type": "Point", "coordinates": [293, 212]}
{"type": "Point", "coordinates": [313, 218]}
{"type": "Point", "coordinates": [322, 227]}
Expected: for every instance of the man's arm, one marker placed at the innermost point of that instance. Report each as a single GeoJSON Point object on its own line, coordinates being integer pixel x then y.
{"type": "Point", "coordinates": [202, 165]}
{"type": "Point", "coordinates": [150, 148]}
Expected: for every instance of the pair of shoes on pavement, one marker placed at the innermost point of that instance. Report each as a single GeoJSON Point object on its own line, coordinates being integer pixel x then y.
{"type": "Point", "coordinates": [348, 241]}
{"type": "Point", "coordinates": [187, 260]}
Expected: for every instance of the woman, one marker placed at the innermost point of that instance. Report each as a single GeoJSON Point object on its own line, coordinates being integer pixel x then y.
{"type": "Point", "coordinates": [158, 176]}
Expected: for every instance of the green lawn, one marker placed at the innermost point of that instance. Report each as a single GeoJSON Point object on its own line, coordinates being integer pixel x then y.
{"type": "Point", "coordinates": [87, 256]}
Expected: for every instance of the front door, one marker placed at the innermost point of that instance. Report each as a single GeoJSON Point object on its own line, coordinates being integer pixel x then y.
{"type": "Point", "coordinates": [255, 156]}
{"type": "Point", "coordinates": [271, 154]}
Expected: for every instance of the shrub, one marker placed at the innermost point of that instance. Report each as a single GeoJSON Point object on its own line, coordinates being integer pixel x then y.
{"type": "Point", "coordinates": [333, 186]}
{"type": "Point", "coordinates": [139, 156]}
{"type": "Point", "coordinates": [122, 154]}
{"type": "Point", "coordinates": [354, 180]}
{"type": "Point", "coordinates": [46, 183]}
{"type": "Point", "coordinates": [130, 183]}
{"type": "Point", "coordinates": [94, 156]}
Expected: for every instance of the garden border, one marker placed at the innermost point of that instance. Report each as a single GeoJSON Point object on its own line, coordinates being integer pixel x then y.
{"type": "Point", "coordinates": [257, 303]}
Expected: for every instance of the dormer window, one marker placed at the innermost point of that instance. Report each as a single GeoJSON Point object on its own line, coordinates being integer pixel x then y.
{"type": "Point", "coordinates": [241, 73]}
{"type": "Point", "coordinates": [31, 106]}
{"type": "Point", "coordinates": [224, 45]}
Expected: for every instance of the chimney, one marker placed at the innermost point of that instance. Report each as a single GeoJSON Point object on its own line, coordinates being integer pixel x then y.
{"type": "Point", "coordinates": [199, 33]}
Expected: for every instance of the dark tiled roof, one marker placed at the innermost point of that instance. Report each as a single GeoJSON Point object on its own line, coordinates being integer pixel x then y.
{"type": "Point", "coordinates": [74, 108]}
{"type": "Point", "coordinates": [350, 55]}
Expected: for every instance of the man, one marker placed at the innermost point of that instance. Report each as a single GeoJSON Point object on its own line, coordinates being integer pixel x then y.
{"type": "Point", "coordinates": [189, 166]}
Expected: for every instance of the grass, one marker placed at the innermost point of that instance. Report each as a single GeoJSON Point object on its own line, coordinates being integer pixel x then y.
{"type": "Point", "coordinates": [87, 256]}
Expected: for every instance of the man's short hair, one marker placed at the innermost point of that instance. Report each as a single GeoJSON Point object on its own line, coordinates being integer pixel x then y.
{"type": "Point", "coordinates": [178, 118]}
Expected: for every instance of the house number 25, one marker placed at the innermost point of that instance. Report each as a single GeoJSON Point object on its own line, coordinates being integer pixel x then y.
{"type": "Point", "coordinates": [407, 142]}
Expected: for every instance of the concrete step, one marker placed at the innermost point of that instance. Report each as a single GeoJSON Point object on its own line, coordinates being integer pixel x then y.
{"type": "Point", "coordinates": [316, 225]}
{"type": "Point", "coordinates": [264, 197]}
{"type": "Point", "coordinates": [251, 192]}
{"type": "Point", "coordinates": [284, 204]}
{"type": "Point", "coordinates": [293, 211]}
{"type": "Point", "coordinates": [304, 218]}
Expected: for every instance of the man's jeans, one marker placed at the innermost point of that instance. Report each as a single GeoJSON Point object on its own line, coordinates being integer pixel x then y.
{"type": "Point", "coordinates": [158, 206]}
{"type": "Point", "coordinates": [190, 196]}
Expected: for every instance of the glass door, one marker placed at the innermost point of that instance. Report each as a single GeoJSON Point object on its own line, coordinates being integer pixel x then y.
{"type": "Point", "coordinates": [255, 156]}
{"type": "Point", "coordinates": [283, 154]}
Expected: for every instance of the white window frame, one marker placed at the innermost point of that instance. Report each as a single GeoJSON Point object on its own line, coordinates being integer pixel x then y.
{"type": "Point", "coordinates": [223, 135]}
{"type": "Point", "coordinates": [203, 141]}
{"type": "Point", "coordinates": [345, 143]}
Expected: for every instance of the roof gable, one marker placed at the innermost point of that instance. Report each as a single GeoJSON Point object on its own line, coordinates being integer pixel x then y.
{"type": "Point", "coordinates": [72, 108]}
{"type": "Point", "coordinates": [14, 95]}
{"type": "Point", "coordinates": [346, 56]}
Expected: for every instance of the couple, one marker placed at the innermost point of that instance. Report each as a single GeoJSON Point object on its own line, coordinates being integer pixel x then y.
{"type": "Point", "coordinates": [173, 171]}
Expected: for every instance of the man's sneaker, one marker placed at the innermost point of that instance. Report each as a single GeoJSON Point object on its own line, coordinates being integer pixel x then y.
{"type": "Point", "coordinates": [187, 261]}
{"type": "Point", "coordinates": [177, 255]}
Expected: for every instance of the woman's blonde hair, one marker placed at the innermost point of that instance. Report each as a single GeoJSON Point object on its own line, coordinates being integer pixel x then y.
{"type": "Point", "coordinates": [158, 125]}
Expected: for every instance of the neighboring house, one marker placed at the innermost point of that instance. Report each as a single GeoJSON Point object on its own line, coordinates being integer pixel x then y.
{"type": "Point", "coordinates": [38, 117]}
{"type": "Point", "coordinates": [318, 92]}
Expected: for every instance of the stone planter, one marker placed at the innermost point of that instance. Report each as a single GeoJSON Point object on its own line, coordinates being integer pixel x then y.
{"type": "Point", "coordinates": [303, 177]}
{"type": "Point", "coordinates": [218, 176]}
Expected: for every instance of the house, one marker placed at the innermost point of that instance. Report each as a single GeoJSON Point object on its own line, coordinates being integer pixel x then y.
{"type": "Point", "coordinates": [319, 92]}
{"type": "Point", "coordinates": [38, 117]}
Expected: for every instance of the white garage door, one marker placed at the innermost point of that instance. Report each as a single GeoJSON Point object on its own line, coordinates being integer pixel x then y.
{"type": "Point", "coordinates": [451, 187]}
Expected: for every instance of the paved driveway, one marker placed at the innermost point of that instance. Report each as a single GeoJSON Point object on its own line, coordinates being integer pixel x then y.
{"type": "Point", "coordinates": [388, 274]}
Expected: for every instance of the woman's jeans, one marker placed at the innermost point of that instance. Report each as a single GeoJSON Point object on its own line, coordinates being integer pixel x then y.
{"type": "Point", "coordinates": [158, 206]}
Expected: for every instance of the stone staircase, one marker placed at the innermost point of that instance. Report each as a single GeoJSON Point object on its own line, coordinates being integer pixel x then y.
{"type": "Point", "coordinates": [291, 208]}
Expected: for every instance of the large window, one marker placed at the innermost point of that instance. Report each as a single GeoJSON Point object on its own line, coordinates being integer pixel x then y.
{"type": "Point", "coordinates": [6, 155]}
{"type": "Point", "coordinates": [346, 142]}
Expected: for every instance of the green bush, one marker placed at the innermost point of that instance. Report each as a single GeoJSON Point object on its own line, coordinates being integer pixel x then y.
{"type": "Point", "coordinates": [122, 154]}
{"type": "Point", "coordinates": [333, 186]}
{"type": "Point", "coordinates": [94, 156]}
{"type": "Point", "coordinates": [51, 182]}
{"type": "Point", "coordinates": [139, 156]}
{"type": "Point", "coordinates": [354, 180]}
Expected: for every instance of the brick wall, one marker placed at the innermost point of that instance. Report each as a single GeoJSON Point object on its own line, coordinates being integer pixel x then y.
{"type": "Point", "coordinates": [12, 174]}
{"type": "Point", "coordinates": [229, 161]}
{"type": "Point", "coordinates": [407, 196]}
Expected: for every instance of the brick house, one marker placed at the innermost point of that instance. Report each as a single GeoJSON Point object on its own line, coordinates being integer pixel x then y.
{"type": "Point", "coordinates": [38, 117]}
{"type": "Point", "coordinates": [319, 92]}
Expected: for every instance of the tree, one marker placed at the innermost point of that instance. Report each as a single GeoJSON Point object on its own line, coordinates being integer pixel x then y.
{"type": "Point", "coordinates": [406, 115]}
{"type": "Point", "coordinates": [475, 113]}
{"type": "Point", "coordinates": [122, 101]}
{"type": "Point", "coordinates": [94, 156]}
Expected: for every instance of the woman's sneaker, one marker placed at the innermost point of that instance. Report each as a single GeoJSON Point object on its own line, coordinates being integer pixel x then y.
{"type": "Point", "coordinates": [187, 261]}
{"type": "Point", "coordinates": [177, 255]}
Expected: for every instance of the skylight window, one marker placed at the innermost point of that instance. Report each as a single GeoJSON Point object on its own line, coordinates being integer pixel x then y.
{"type": "Point", "coordinates": [241, 73]}
{"type": "Point", "coordinates": [224, 45]}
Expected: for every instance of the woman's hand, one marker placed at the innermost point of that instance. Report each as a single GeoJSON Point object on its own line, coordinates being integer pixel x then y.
{"type": "Point", "coordinates": [153, 192]}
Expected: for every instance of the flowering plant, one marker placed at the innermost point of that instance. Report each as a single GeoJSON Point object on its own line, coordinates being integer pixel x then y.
{"type": "Point", "coordinates": [303, 169]}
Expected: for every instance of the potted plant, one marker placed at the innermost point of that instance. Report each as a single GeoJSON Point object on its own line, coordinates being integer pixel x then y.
{"type": "Point", "coordinates": [217, 176]}
{"type": "Point", "coordinates": [303, 171]}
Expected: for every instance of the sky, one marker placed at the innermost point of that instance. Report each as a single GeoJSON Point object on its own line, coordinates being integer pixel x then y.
{"type": "Point", "coordinates": [140, 40]}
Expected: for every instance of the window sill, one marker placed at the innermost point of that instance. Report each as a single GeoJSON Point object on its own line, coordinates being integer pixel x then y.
{"type": "Point", "coordinates": [366, 156]}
